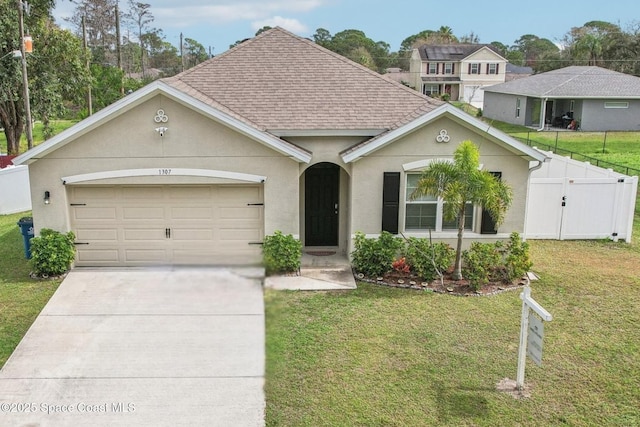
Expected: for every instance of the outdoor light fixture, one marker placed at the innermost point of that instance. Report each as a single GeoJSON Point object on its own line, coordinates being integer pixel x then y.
{"type": "Point", "coordinates": [162, 130]}
{"type": "Point", "coordinates": [14, 53]}
{"type": "Point", "coordinates": [47, 197]}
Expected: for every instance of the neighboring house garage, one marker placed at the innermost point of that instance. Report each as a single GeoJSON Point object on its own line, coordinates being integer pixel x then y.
{"type": "Point", "coordinates": [166, 224]}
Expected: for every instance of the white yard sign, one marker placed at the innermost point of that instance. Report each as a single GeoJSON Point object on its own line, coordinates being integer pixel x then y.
{"type": "Point", "coordinates": [531, 333]}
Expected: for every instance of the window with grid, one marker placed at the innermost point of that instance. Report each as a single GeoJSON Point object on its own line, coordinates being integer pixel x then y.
{"type": "Point", "coordinates": [431, 90]}
{"type": "Point", "coordinates": [474, 68]}
{"type": "Point", "coordinates": [426, 212]}
{"type": "Point", "coordinates": [448, 68]}
{"type": "Point", "coordinates": [492, 68]}
{"type": "Point", "coordinates": [433, 68]}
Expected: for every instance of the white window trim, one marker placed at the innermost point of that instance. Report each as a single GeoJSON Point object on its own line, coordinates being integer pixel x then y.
{"type": "Point", "coordinates": [477, 66]}
{"type": "Point", "coordinates": [448, 65]}
{"type": "Point", "coordinates": [435, 68]}
{"type": "Point", "coordinates": [493, 71]}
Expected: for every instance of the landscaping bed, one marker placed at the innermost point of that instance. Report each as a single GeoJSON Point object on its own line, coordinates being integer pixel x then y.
{"type": "Point", "coordinates": [448, 285]}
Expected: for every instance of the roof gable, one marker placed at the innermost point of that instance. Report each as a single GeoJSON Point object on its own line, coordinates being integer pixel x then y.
{"type": "Point", "coordinates": [281, 82]}
{"type": "Point", "coordinates": [362, 150]}
{"type": "Point", "coordinates": [573, 82]}
{"type": "Point", "coordinates": [139, 97]}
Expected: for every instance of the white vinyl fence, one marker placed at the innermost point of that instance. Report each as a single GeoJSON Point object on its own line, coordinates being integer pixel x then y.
{"type": "Point", "coordinates": [569, 199]}
{"type": "Point", "coordinates": [15, 194]}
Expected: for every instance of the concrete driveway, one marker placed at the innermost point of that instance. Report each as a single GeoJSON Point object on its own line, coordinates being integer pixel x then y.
{"type": "Point", "coordinates": [164, 347]}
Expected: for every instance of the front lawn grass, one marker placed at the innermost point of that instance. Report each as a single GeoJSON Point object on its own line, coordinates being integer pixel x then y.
{"type": "Point", "coordinates": [21, 298]}
{"type": "Point", "coordinates": [390, 357]}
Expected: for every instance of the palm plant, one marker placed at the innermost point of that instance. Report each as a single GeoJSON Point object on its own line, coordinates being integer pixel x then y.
{"type": "Point", "coordinates": [460, 182]}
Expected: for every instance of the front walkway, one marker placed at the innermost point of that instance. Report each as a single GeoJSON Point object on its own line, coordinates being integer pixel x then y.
{"type": "Point", "coordinates": [322, 269]}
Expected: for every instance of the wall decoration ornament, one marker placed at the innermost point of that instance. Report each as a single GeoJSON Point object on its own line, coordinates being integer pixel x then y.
{"type": "Point", "coordinates": [161, 117]}
{"type": "Point", "coordinates": [443, 136]}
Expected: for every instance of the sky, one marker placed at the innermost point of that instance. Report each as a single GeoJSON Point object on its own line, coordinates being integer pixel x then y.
{"type": "Point", "coordinates": [216, 24]}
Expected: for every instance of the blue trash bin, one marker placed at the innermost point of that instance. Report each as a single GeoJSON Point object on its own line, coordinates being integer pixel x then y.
{"type": "Point", "coordinates": [26, 227]}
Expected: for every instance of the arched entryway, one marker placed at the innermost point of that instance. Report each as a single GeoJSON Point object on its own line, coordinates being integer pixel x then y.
{"type": "Point", "coordinates": [322, 205]}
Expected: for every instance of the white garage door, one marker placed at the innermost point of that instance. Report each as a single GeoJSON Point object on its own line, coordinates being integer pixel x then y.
{"type": "Point", "coordinates": [168, 224]}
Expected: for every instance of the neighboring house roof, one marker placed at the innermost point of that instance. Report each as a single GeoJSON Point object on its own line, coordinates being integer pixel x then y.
{"type": "Point", "coordinates": [278, 81]}
{"type": "Point", "coordinates": [452, 52]}
{"type": "Point", "coordinates": [517, 69]}
{"type": "Point", "coordinates": [573, 82]}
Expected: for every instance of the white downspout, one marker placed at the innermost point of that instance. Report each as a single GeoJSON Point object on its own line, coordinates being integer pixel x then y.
{"type": "Point", "coordinates": [543, 120]}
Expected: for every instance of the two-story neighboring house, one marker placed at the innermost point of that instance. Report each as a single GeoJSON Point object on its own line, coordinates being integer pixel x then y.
{"type": "Point", "coordinates": [460, 70]}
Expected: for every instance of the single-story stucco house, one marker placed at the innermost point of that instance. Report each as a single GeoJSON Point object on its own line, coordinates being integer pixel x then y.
{"type": "Point", "coordinates": [597, 98]}
{"type": "Point", "coordinates": [277, 133]}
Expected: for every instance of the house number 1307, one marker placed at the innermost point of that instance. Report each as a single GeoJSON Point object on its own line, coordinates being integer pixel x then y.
{"type": "Point", "coordinates": [164, 171]}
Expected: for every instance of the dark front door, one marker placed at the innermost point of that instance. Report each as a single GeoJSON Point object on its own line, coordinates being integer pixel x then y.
{"type": "Point", "coordinates": [321, 192]}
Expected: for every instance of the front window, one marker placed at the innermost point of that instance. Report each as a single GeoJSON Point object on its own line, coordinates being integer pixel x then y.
{"type": "Point", "coordinates": [448, 68]}
{"type": "Point", "coordinates": [433, 68]}
{"type": "Point", "coordinates": [517, 107]}
{"type": "Point", "coordinates": [426, 213]}
{"type": "Point", "coordinates": [474, 68]}
{"type": "Point", "coordinates": [431, 90]}
{"type": "Point", "coordinates": [492, 68]}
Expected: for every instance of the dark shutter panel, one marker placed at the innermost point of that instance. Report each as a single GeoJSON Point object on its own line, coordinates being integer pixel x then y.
{"type": "Point", "coordinates": [488, 225]}
{"type": "Point", "coordinates": [497, 68]}
{"type": "Point", "coordinates": [469, 68]}
{"type": "Point", "coordinates": [427, 68]}
{"type": "Point", "coordinates": [453, 68]}
{"type": "Point", "coordinates": [488, 68]}
{"type": "Point", "coordinates": [438, 68]}
{"type": "Point", "coordinates": [390, 202]}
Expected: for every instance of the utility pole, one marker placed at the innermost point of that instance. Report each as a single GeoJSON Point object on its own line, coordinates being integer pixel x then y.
{"type": "Point", "coordinates": [86, 52]}
{"type": "Point", "coordinates": [119, 46]}
{"type": "Point", "coordinates": [181, 52]}
{"type": "Point", "coordinates": [25, 81]}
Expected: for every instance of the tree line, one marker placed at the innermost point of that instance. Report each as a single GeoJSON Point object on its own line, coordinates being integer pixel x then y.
{"type": "Point", "coordinates": [110, 52]}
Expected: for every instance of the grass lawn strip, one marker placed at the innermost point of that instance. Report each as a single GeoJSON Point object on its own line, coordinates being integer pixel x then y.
{"type": "Point", "coordinates": [21, 298]}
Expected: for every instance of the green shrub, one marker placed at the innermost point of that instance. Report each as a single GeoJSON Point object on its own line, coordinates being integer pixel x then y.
{"type": "Point", "coordinates": [374, 257]}
{"type": "Point", "coordinates": [479, 112]}
{"type": "Point", "coordinates": [486, 262]}
{"type": "Point", "coordinates": [422, 255]}
{"type": "Point", "coordinates": [480, 262]}
{"type": "Point", "coordinates": [281, 253]}
{"type": "Point", "coordinates": [52, 252]}
{"type": "Point", "coordinates": [516, 258]}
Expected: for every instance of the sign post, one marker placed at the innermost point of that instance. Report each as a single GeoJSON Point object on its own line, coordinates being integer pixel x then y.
{"type": "Point", "coordinates": [532, 345]}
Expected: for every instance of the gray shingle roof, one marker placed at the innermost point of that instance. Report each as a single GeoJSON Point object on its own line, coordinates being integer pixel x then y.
{"type": "Point", "coordinates": [451, 52]}
{"type": "Point", "coordinates": [279, 81]}
{"type": "Point", "coordinates": [573, 82]}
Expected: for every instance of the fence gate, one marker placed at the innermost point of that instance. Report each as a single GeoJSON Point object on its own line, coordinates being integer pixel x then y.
{"type": "Point", "coordinates": [575, 208]}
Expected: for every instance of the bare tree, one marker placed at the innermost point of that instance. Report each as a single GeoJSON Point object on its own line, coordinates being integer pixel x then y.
{"type": "Point", "coordinates": [100, 23]}
{"type": "Point", "coordinates": [140, 15]}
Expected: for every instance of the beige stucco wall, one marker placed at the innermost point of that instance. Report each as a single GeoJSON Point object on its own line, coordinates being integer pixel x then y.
{"type": "Point", "coordinates": [192, 141]}
{"type": "Point", "coordinates": [367, 177]}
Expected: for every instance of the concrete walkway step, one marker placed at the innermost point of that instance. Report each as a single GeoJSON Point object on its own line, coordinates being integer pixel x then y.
{"type": "Point", "coordinates": [314, 279]}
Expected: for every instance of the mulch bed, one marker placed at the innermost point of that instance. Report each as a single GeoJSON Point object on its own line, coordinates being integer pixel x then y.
{"type": "Point", "coordinates": [448, 286]}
